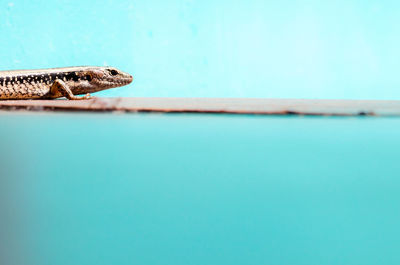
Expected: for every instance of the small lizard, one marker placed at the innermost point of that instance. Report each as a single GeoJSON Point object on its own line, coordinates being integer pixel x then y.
{"type": "Point", "coordinates": [60, 82]}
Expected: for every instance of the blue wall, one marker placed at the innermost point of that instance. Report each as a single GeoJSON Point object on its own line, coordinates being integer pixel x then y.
{"type": "Point", "coordinates": [289, 49]}
{"type": "Point", "coordinates": [198, 189]}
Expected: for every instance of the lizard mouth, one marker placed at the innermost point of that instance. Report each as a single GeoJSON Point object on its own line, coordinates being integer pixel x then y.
{"type": "Point", "coordinates": [115, 82]}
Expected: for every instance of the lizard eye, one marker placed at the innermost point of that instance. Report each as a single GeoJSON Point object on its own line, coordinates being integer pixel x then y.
{"type": "Point", "coordinates": [113, 72]}
{"type": "Point", "coordinates": [89, 78]}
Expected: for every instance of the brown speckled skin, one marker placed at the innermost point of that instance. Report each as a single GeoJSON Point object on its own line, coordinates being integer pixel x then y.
{"type": "Point", "coordinates": [56, 82]}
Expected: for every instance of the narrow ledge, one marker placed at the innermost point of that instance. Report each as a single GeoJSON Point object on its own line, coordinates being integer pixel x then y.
{"type": "Point", "coordinates": [215, 105]}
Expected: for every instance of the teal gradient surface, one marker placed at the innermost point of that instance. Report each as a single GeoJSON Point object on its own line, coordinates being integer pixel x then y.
{"type": "Point", "coordinates": [257, 48]}
{"type": "Point", "coordinates": [201, 189]}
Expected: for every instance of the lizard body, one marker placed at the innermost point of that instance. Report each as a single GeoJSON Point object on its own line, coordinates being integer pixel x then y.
{"type": "Point", "coordinates": [60, 82]}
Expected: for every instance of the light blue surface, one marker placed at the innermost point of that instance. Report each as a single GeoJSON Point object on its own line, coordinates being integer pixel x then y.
{"type": "Point", "coordinates": [199, 189]}
{"type": "Point", "coordinates": [288, 49]}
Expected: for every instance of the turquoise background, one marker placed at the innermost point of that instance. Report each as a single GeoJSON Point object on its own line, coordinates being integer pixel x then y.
{"type": "Point", "coordinates": [257, 48]}
{"type": "Point", "coordinates": [204, 189]}
{"type": "Point", "coordinates": [199, 189]}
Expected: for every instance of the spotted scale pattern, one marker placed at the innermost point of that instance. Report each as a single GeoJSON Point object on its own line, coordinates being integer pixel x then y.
{"type": "Point", "coordinates": [33, 86]}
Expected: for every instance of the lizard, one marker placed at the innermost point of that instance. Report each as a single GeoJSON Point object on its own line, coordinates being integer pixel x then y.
{"type": "Point", "coordinates": [60, 82]}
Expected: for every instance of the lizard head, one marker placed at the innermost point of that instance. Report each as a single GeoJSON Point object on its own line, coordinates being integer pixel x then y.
{"type": "Point", "coordinates": [100, 78]}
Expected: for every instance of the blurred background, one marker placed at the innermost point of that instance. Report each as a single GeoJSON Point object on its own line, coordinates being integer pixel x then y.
{"type": "Point", "coordinates": [285, 49]}
{"type": "Point", "coordinates": [95, 188]}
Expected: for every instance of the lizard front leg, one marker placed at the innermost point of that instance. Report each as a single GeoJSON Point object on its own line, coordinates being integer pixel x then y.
{"type": "Point", "coordinates": [60, 87]}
